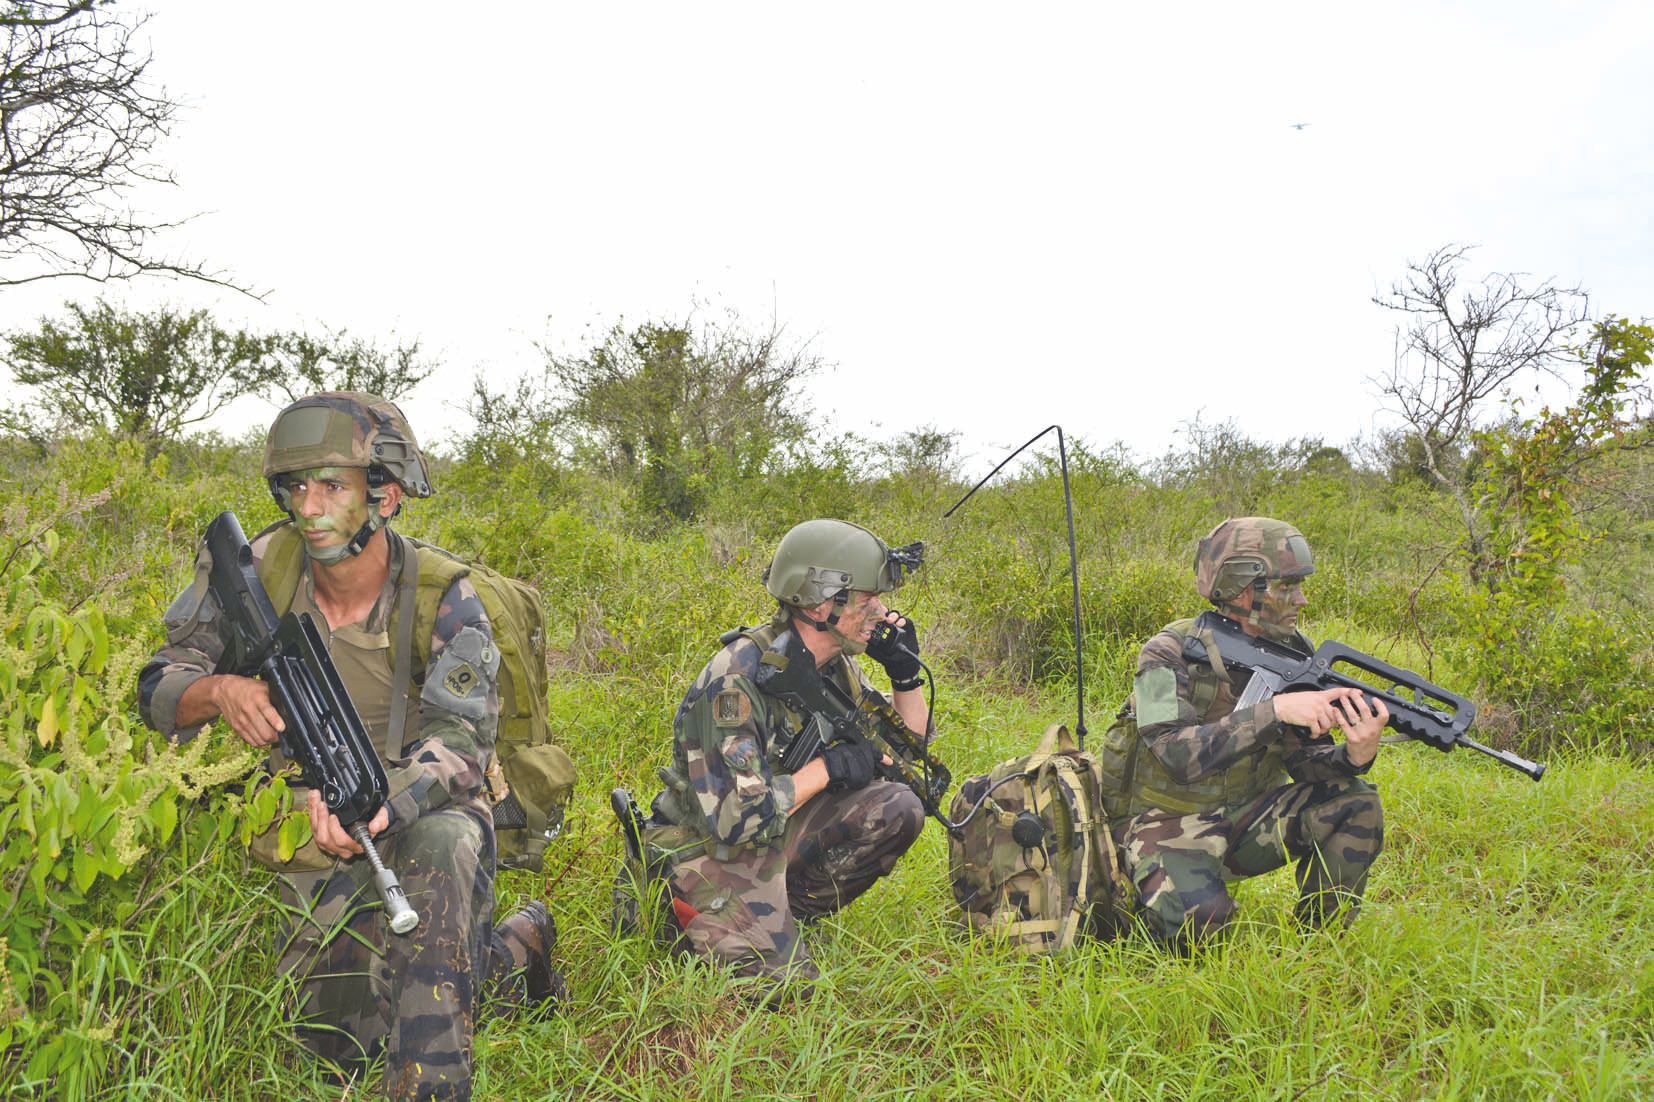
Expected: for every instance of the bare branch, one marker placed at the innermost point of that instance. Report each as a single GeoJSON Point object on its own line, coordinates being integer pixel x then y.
{"type": "Point", "coordinates": [79, 123]}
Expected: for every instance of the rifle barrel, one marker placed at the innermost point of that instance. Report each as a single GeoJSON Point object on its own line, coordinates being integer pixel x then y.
{"type": "Point", "coordinates": [1520, 764]}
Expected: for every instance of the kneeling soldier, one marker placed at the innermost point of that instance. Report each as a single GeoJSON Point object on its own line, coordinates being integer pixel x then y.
{"type": "Point", "coordinates": [339, 465]}
{"type": "Point", "coordinates": [1201, 792]}
{"type": "Point", "coordinates": [752, 850]}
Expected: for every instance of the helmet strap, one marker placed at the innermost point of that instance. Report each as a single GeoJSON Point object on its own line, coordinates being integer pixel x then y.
{"type": "Point", "coordinates": [1260, 589]}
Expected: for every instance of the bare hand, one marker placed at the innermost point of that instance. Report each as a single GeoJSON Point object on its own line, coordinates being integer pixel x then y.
{"type": "Point", "coordinates": [244, 703]}
{"type": "Point", "coordinates": [331, 835]}
{"type": "Point", "coordinates": [1362, 727]}
{"type": "Point", "coordinates": [1318, 710]}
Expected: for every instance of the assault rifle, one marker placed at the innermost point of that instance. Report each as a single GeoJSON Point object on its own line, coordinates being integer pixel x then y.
{"type": "Point", "coordinates": [787, 670]}
{"type": "Point", "coordinates": [1418, 709]}
{"type": "Point", "coordinates": [324, 733]}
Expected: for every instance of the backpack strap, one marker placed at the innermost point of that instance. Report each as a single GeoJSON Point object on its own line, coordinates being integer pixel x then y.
{"type": "Point", "coordinates": [402, 712]}
{"type": "Point", "coordinates": [281, 563]}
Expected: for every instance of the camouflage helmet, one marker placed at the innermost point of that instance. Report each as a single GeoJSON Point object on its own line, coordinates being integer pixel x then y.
{"type": "Point", "coordinates": [1248, 551]}
{"type": "Point", "coordinates": [821, 559]}
{"type": "Point", "coordinates": [347, 429]}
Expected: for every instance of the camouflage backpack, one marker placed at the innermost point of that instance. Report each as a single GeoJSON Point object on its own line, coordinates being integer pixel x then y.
{"type": "Point", "coordinates": [531, 778]}
{"type": "Point", "coordinates": [1036, 864]}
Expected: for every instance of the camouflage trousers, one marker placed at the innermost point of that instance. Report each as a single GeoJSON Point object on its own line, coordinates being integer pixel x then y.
{"type": "Point", "coordinates": [364, 991]}
{"type": "Point", "coordinates": [745, 911]}
{"type": "Point", "coordinates": [1180, 864]}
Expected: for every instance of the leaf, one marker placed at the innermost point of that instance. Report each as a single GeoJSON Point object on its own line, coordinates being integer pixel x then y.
{"type": "Point", "coordinates": [100, 641]}
{"type": "Point", "coordinates": [86, 870]}
{"type": "Point", "coordinates": [163, 813]}
{"type": "Point", "coordinates": [295, 832]}
{"type": "Point", "coordinates": [46, 732]}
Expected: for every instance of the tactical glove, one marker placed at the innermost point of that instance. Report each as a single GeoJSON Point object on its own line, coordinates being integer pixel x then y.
{"type": "Point", "coordinates": [850, 765]}
{"type": "Point", "coordinates": [885, 648]}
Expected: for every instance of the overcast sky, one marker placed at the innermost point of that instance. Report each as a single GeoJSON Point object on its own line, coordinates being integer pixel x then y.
{"type": "Point", "coordinates": [988, 218]}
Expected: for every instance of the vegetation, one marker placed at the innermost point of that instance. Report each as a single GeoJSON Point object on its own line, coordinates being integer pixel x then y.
{"type": "Point", "coordinates": [1504, 952]}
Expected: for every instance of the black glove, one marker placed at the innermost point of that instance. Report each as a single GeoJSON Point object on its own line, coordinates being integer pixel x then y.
{"type": "Point", "coordinates": [850, 765]}
{"type": "Point", "coordinates": [886, 648]}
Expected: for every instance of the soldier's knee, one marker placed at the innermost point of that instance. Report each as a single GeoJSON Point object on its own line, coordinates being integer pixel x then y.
{"type": "Point", "coordinates": [1208, 915]}
{"type": "Point", "coordinates": [905, 819]}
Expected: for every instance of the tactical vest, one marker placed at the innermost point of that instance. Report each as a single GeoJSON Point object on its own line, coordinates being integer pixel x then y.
{"type": "Point", "coordinates": [1134, 781]}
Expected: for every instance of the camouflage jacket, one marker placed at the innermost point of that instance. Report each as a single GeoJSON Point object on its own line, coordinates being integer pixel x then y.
{"type": "Point", "coordinates": [444, 764]}
{"type": "Point", "coordinates": [1206, 754]}
{"type": "Point", "coordinates": [728, 738]}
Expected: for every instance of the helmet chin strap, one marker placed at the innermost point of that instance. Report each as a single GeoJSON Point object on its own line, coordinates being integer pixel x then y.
{"type": "Point", "coordinates": [830, 625]}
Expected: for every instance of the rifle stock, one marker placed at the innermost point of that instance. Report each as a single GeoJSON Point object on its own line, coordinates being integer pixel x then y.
{"type": "Point", "coordinates": [1418, 709]}
{"type": "Point", "coordinates": [324, 734]}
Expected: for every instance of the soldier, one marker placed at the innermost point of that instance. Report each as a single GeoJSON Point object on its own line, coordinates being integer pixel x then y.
{"type": "Point", "coordinates": [754, 851]}
{"type": "Point", "coordinates": [1201, 792]}
{"type": "Point", "coordinates": [339, 465]}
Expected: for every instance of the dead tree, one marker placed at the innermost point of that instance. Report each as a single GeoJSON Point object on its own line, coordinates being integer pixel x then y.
{"type": "Point", "coordinates": [79, 123]}
{"type": "Point", "coordinates": [1459, 350]}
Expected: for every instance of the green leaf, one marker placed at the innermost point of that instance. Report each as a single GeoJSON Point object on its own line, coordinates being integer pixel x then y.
{"type": "Point", "coordinates": [295, 832]}
{"type": "Point", "coordinates": [100, 641]}
{"type": "Point", "coordinates": [86, 870]}
{"type": "Point", "coordinates": [46, 731]}
{"type": "Point", "coordinates": [164, 814]}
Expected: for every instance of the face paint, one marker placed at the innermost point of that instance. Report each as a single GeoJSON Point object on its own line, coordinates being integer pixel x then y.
{"type": "Point", "coordinates": [329, 505]}
{"type": "Point", "coordinates": [856, 623]}
{"type": "Point", "coordinates": [1278, 608]}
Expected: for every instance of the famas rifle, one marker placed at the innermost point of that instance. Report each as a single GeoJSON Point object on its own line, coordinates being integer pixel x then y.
{"type": "Point", "coordinates": [324, 733]}
{"type": "Point", "coordinates": [1418, 709]}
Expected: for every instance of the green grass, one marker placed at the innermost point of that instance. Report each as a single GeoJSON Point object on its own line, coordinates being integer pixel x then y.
{"type": "Point", "coordinates": [1506, 951]}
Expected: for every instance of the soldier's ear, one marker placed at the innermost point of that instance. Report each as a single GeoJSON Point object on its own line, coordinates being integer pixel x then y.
{"type": "Point", "coordinates": [390, 499]}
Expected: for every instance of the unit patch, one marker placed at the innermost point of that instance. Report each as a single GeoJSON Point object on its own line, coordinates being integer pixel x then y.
{"type": "Point", "coordinates": [731, 708]}
{"type": "Point", "coordinates": [461, 681]}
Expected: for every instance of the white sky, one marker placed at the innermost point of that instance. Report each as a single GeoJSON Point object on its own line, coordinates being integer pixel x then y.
{"type": "Point", "coordinates": [988, 217]}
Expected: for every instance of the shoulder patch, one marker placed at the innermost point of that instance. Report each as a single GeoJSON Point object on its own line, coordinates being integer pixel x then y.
{"type": "Point", "coordinates": [461, 680]}
{"type": "Point", "coordinates": [731, 708]}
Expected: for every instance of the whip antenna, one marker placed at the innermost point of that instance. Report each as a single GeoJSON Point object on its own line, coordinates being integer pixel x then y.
{"type": "Point", "coordinates": [1073, 561]}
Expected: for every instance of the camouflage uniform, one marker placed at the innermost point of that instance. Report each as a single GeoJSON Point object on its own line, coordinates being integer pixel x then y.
{"type": "Point", "coordinates": [1200, 793]}
{"type": "Point", "coordinates": [746, 867]}
{"type": "Point", "coordinates": [363, 990]}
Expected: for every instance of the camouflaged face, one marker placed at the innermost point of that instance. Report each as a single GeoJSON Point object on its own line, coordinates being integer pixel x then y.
{"type": "Point", "coordinates": [346, 429]}
{"type": "Point", "coordinates": [1242, 549]}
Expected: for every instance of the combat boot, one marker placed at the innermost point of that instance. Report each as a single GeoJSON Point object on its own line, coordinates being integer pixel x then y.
{"type": "Point", "coordinates": [520, 975]}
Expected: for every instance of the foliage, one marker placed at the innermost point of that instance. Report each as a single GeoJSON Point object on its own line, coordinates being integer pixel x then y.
{"type": "Point", "coordinates": [677, 408]}
{"type": "Point", "coordinates": [145, 375]}
{"type": "Point", "coordinates": [158, 977]}
{"type": "Point", "coordinates": [299, 363]}
{"type": "Point", "coordinates": [154, 375]}
{"type": "Point", "coordinates": [1456, 353]}
{"type": "Point", "coordinates": [1531, 485]}
{"type": "Point", "coordinates": [85, 795]}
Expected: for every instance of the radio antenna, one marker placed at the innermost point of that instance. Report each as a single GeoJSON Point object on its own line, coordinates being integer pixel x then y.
{"type": "Point", "coordinates": [1073, 562]}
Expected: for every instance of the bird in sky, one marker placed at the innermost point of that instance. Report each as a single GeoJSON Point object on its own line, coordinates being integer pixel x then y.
{"type": "Point", "coordinates": [1299, 125]}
